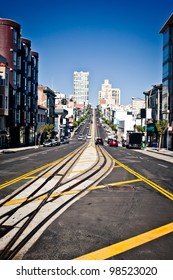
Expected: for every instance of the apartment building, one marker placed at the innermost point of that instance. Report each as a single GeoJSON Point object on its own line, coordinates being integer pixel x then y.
{"type": "Point", "coordinates": [81, 87]}
{"type": "Point", "coordinates": [108, 95]}
{"type": "Point", "coordinates": [23, 82]}
{"type": "Point", "coordinates": [46, 99]}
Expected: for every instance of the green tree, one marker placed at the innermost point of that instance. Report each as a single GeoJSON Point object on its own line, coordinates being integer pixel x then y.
{"type": "Point", "coordinates": [45, 128]}
{"type": "Point", "coordinates": [40, 131]}
{"type": "Point", "coordinates": [49, 129]}
{"type": "Point", "coordinates": [75, 124]}
{"type": "Point", "coordinates": [114, 127]}
{"type": "Point", "coordinates": [140, 128]}
{"type": "Point", "coordinates": [161, 127]}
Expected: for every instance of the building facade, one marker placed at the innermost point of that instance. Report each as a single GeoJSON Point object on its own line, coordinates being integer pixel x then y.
{"type": "Point", "coordinates": [46, 99]}
{"type": "Point", "coordinates": [81, 87]}
{"type": "Point", "coordinates": [167, 75]}
{"type": "Point", "coordinates": [23, 82]}
{"type": "Point", "coordinates": [4, 102]}
{"type": "Point", "coordinates": [153, 102]}
{"type": "Point", "coordinates": [108, 95]}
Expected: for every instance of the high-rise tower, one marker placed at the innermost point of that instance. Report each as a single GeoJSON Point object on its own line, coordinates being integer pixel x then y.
{"type": "Point", "coordinates": [81, 87]}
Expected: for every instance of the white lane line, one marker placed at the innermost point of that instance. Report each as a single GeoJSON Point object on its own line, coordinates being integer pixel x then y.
{"type": "Point", "coordinates": [163, 165]}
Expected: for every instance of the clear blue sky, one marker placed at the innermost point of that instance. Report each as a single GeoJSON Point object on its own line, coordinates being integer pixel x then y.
{"type": "Point", "coordinates": [114, 40]}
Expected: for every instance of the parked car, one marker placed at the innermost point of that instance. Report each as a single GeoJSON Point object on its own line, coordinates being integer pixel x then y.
{"type": "Point", "coordinates": [62, 140]}
{"type": "Point", "coordinates": [81, 138]}
{"type": "Point", "coordinates": [51, 143]}
{"type": "Point", "coordinates": [113, 143]}
{"type": "Point", "coordinates": [66, 139]}
{"type": "Point", "coordinates": [99, 141]}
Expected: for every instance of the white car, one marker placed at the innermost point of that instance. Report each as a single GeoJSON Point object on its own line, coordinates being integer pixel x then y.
{"type": "Point", "coordinates": [51, 143]}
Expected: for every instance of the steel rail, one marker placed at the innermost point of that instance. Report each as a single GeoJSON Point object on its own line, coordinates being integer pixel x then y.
{"type": "Point", "coordinates": [7, 252]}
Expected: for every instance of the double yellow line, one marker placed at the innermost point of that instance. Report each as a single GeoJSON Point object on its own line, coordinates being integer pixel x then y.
{"type": "Point", "coordinates": [147, 181]}
{"type": "Point", "coordinates": [15, 180]}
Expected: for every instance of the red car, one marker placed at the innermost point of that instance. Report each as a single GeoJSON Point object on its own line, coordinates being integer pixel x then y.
{"type": "Point", "coordinates": [113, 143]}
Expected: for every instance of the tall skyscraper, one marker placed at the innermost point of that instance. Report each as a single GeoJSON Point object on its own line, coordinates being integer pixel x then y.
{"type": "Point", "coordinates": [81, 87]}
{"type": "Point", "coordinates": [167, 77]}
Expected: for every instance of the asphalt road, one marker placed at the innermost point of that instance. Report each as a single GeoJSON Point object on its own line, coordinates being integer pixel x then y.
{"type": "Point", "coordinates": [14, 165]}
{"type": "Point", "coordinates": [128, 215]}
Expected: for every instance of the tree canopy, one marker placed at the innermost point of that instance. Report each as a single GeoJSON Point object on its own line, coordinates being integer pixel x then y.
{"type": "Point", "coordinates": [161, 126]}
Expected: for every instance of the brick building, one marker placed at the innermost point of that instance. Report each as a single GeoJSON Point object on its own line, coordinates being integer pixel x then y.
{"type": "Point", "coordinates": [23, 82]}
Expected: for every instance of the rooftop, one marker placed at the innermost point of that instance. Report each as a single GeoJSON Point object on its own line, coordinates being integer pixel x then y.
{"type": "Point", "coordinates": [167, 23]}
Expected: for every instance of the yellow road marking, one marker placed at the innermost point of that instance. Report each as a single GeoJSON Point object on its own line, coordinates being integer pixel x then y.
{"type": "Point", "coordinates": [21, 200]}
{"type": "Point", "coordinates": [24, 176]}
{"type": "Point", "coordinates": [147, 181]}
{"type": "Point", "coordinates": [30, 177]}
{"type": "Point", "coordinates": [114, 184]}
{"type": "Point", "coordinates": [27, 175]}
{"type": "Point", "coordinates": [127, 244]}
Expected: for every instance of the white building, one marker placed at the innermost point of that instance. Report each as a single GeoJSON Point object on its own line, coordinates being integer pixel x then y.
{"type": "Point", "coordinates": [108, 95]}
{"type": "Point", "coordinates": [81, 87]}
{"type": "Point", "coordinates": [124, 121]}
{"type": "Point", "coordinates": [58, 98]}
{"type": "Point", "coordinates": [137, 104]}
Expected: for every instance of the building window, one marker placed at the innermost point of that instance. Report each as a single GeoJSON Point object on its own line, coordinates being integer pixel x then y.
{"type": "Point", "coordinates": [18, 62]}
{"type": "Point", "coordinates": [165, 70]}
{"type": "Point", "coordinates": [29, 101]}
{"type": "Point", "coordinates": [14, 57]}
{"type": "Point", "coordinates": [18, 98]}
{"type": "Point", "coordinates": [29, 86]}
{"type": "Point", "coordinates": [29, 70]}
{"type": "Point", "coordinates": [6, 102]}
{"type": "Point", "coordinates": [14, 77]}
{"type": "Point", "coordinates": [6, 79]}
{"type": "Point", "coordinates": [1, 101]}
{"type": "Point", "coordinates": [25, 81]}
{"type": "Point", "coordinates": [1, 81]}
{"type": "Point", "coordinates": [14, 36]}
{"type": "Point", "coordinates": [19, 80]}
{"type": "Point", "coordinates": [17, 116]}
{"type": "Point", "coordinates": [28, 117]}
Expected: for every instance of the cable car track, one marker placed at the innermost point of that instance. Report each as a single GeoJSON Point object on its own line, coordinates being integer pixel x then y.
{"type": "Point", "coordinates": [27, 216]}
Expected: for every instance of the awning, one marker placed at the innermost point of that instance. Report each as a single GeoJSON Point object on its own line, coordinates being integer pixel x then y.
{"type": "Point", "coordinates": [150, 128]}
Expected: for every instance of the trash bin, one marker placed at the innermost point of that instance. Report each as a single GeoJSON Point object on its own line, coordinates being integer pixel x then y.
{"type": "Point", "coordinates": [154, 145]}
{"type": "Point", "coordinates": [143, 145]}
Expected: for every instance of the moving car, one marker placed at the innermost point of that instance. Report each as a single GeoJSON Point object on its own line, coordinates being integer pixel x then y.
{"type": "Point", "coordinates": [99, 141]}
{"type": "Point", "coordinates": [113, 143]}
{"type": "Point", "coordinates": [51, 143]}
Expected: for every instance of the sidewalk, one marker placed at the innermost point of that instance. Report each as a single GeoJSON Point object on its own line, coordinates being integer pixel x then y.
{"type": "Point", "coordinates": [162, 154]}
{"type": "Point", "coordinates": [162, 151]}
{"type": "Point", "coordinates": [14, 150]}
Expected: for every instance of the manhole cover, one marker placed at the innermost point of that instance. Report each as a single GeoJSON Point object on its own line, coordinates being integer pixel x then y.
{"type": "Point", "coordinates": [123, 187]}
